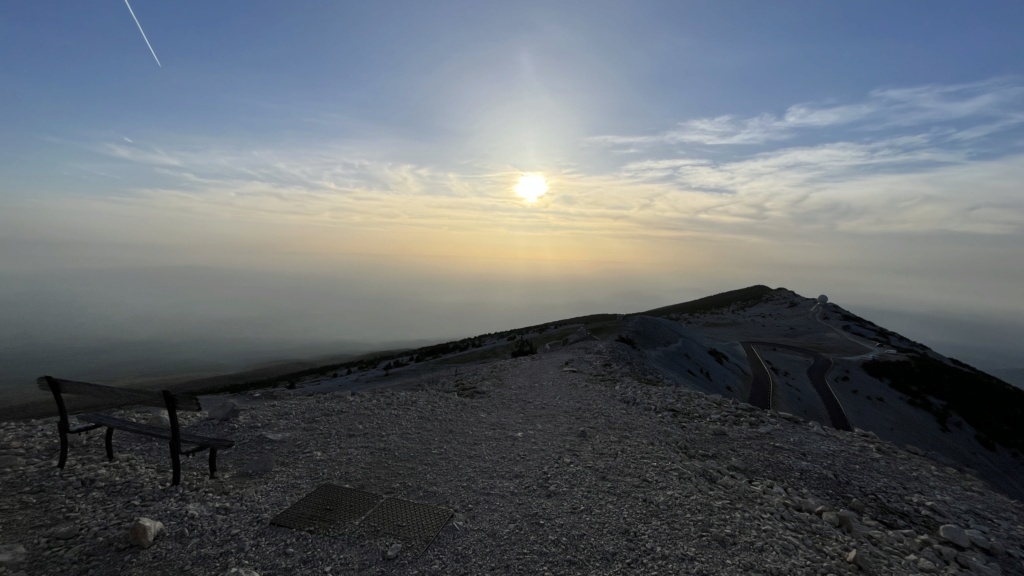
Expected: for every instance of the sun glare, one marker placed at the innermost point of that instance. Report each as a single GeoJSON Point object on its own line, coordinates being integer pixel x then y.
{"type": "Point", "coordinates": [531, 187]}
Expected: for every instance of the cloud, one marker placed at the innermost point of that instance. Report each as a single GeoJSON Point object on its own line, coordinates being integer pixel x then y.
{"type": "Point", "coordinates": [936, 158]}
{"type": "Point", "coordinates": [712, 131]}
{"type": "Point", "coordinates": [760, 129]}
{"type": "Point", "coordinates": [834, 168]}
{"type": "Point", "coordinates": [810, 116]}
{"type": "Point", "coordinates": [945, 103]}
{"type": "Point", "coordinates": [883, 108]}
{"type": "Point", "coordinates": [151, 156]}
{"type": "Point", "coordinates": [902, 184]}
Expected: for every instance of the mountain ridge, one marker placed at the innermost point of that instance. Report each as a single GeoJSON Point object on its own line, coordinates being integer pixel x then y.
{"type": "Point", "coordinates": [889, 384]}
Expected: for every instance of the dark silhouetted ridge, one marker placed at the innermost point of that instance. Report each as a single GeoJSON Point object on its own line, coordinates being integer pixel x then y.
{"type": "Point", "coordinates": [743, 296]}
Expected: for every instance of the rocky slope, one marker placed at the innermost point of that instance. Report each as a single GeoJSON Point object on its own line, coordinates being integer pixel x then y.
{"type": "Point", "coordinates": [564, 463]}
{"type": "Point", "coordinates": [901, 390]}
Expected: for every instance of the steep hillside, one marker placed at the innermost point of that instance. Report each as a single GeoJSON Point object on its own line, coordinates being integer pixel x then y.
{"type": "Point", "coordinates": [884, 382]}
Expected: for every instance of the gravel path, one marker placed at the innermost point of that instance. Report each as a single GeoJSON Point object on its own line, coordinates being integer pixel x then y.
{"type": "Point", "coordinates": [554, 464]}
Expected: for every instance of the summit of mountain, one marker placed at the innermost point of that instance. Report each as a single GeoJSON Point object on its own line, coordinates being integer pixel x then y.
{"type": "Point", "coordinates": [883, 382]}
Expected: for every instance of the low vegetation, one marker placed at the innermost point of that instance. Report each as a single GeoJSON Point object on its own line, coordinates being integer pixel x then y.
{"type": "Point", "coordinates": [718, 355]}
{"type": "Point", "coordinates": [626, 340]}
{"type": "Point", "coordinates": [523, 347]}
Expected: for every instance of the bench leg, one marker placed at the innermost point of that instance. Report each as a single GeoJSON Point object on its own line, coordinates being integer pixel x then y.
{"type": "Point", "coordinates": [213, 462]}
{"type": "Point", "coordinates": [110, 444]}
{"type": "Point", "coordinates": [176, 463]}
{"type": "Point", "coordinates": [62, 428]}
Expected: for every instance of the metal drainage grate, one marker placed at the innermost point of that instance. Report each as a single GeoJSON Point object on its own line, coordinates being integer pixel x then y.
{"type": "Point", "coordinates": [329, 509]}
{"type": "Point", "coordinates": [415, 524]}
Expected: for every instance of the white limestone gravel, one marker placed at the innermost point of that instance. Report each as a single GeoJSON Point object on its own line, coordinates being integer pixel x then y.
{"type": "Point", "coordinates": [548, 470]}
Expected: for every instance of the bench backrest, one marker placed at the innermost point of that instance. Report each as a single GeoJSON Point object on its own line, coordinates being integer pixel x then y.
{"type": "Point", "coordinates": [120, 395]}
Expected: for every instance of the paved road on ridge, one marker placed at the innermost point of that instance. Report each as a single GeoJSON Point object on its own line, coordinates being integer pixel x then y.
{"type": "Point", "coordinates": [761, 387]}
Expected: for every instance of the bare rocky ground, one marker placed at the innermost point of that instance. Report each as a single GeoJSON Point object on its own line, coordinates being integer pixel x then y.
{"type": "Point", "coordinates": [564, 463]}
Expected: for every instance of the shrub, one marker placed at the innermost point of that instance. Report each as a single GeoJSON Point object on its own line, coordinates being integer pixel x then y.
{"type": "Point", "coordinates": [718, 355]}
{"type": "Point", "coordinates": [626, 340]}
{"type": "Point", "coordinates": [523, 347]}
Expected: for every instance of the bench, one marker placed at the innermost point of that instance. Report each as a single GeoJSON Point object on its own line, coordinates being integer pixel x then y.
{"type": "Point", "coordinates": [127, 396]}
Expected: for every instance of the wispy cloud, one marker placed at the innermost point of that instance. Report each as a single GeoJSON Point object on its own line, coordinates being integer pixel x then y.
{"type": "Point", "coordinates": [843, 168]}
{"type": "Point", "coordinates": [904, 159]}
{"type": "Point", "coordinates": [883, 108]}
{"type": "Point", "coordinates": [945, 103]}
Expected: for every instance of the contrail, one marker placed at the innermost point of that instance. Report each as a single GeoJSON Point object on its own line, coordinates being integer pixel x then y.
{"type": "Point", "coordinates": [143, 33]}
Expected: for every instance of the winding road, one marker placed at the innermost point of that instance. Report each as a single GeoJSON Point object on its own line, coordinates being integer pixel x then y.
{"type": "Point", "coordinates": [761, 387]}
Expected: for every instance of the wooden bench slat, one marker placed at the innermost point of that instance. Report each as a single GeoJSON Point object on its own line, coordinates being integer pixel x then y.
{"type": "Point", "coordinates": [120, 395]}
{"type": "Point", "coordinates": [218, 443]}
{"type": "Point", "coordinates": [153, 431]}
{"type": "Point", "coordinates": [187, 402]}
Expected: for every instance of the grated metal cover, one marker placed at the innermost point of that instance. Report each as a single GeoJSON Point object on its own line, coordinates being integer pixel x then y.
{"type": "Point", "coordinates": [328, 509]}
{"type": "Point", "coordinates": [415, 524]}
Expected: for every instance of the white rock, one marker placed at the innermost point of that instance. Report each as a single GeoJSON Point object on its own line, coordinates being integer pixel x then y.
{"type": "Point", "coordinates": [978, 539]}
{"type": "Point", "coordinates": [159, 419]}
{"type": "Point", "coordinates": [974, 563]}
{"type": "Point", "coordinates": [947, 553]}
{"type": "Point", "coordinates": [861, 560]}
{"type": "Point", "coordinates": [144, 531]}
{"type": "Point", "coordinates": [241, 572]}
{"type": "Point", "coordinates": [806, 505]}
{"type": "Point", "coordinates": [225, 411]}
{"type": "Point", "coordinates": [393, 551]}
{"type": "Point", "coordinates": [66, 532]}
{"type": "Point", "coordinates": [932, 555]}
{"type": "Point", "coordinates": [12, 553]}
{"type": "Point", "coordinates": [848, 520]}
{"type": "Point", "coordinates": [579, 335]}
{"type": "Point", "coordinates": [955, 534]}
{"type": "Point", "coordinates": [10, 462]}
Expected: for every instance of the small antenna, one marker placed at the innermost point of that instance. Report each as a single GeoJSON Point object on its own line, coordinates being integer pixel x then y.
{"type": "Point", "coordinates": [143, 33]}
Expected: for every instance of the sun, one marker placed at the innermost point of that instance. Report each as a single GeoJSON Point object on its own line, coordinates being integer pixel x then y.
{"type": "Point", "coordinates": [531, 187]}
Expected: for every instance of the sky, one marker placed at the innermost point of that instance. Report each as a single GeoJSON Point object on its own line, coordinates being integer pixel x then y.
{"type": "Point", "coordinates": [314, 172]}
